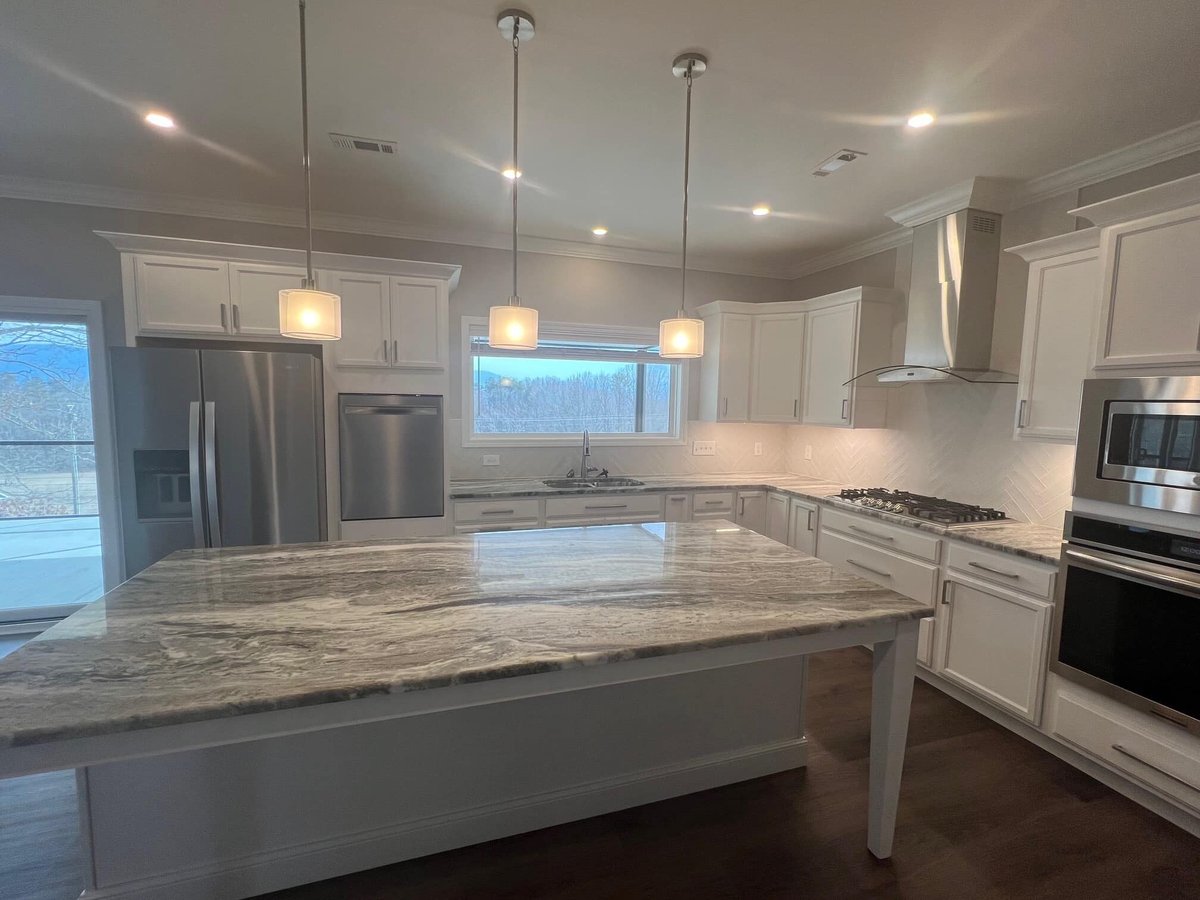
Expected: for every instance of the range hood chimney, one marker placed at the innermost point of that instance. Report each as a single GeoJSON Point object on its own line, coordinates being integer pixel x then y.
{"type": "Point", "coordinates": [952, 291]}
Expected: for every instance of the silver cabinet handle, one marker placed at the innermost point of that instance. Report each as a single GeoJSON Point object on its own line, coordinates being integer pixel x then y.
{"type": "Point", "coordinates": [795, 409]}
{"type": "Point", "coordinates": [606, 506]}
{"type": "Point", "coordinates": [845, 404]}
{"type": "Point", "coordinates": [741, 506]}
{"type": "Point", "coordinates": [725, 406]}
{"type": "Point", "coordinates": [868, 533]}
{"type": "Point", "coordinates": [497, 512]}
{"type": "Point", "coordinates": [395, 352]}
{"type": "Point", "coordinates": [945, 589]}
{"type": "Point", "coordinates": [199, 538]}
{"type": "Point", "coordinates": [1161, 771]}
{"type": "Point", "coordinates": [869, 569]}
{"type": "Point", "coordinates": [975, 565]}
{"type": "Point", "coordinates": [211, 475]}
{"type": "Point", "coordinates": [714, 502]}
{"type": "Point", "coordinates": [386, 358]}
{"type": "Point", "coordinates": [1021, 407]}
{"type": "Point", "coordinates": [810, 521]}
{"type": "Point", "coordinates": [224, 318]}
{"type": "Point", "coordinates": [237, 318]}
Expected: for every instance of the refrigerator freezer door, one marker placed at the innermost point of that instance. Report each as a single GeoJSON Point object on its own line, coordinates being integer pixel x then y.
{"type": "Point", "coordinates": [156, 393]}
{"type": "Point", "coordinates": [392, 461]}
{"type": "Point", "coordinates": [263, 421]}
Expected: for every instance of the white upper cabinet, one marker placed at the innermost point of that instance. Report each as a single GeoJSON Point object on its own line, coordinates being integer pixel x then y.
{"type": "Point", "coordinates": [420, 323]}
{"type": "Point", "coordinates": [1150, 264]}
{"type": "Point", "coordinates": [725, 366]}
{"type": "Point", "coordinates": [777, 365]}
{"type": "Point", "coordinates": [254, 296]}
{"type": "Point", "coordinates": [1061, 304]}
{"type": "Point", "coordinates": [366, 318]}
{"type": "Point", "coordinates": [181, 295]}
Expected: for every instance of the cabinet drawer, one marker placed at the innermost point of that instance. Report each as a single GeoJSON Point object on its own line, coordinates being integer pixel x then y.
{"type": "Point", "coordinates": [1169, 762]}
{"type": "Point", "coordinates": [495, 510]}
{"type": "Point", "coordinates": [890, 570]}
{"type": "Point", "coordinates": [1001, 568]}
{"type": "Point", "coordinates": [484, 528]}
{"type": "Point", "coordinates": [605, 506]}
{"type": "Point", "coordinates": [872, 530]}
{"type": "Point", "coordinates": [712, 505]}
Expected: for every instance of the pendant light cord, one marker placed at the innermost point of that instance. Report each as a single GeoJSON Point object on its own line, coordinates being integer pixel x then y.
{"type": "Point", "coordinates": [687, 156]}
{"type": "Point", "coordinates": [516, 45]}
{"type": "Point", "coordinates": [310, 282]}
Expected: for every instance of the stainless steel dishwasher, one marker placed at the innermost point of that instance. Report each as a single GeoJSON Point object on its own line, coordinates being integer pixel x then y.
{"type": "Point", "coordinates": [392, 456]}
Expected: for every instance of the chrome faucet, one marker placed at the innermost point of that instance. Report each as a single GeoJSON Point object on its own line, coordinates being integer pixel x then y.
{"type": "Point", "coordinates": [584, 469]}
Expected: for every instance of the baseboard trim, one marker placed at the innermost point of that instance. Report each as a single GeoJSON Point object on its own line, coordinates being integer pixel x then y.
{"type": "Point", "coordinates": [305, 863]}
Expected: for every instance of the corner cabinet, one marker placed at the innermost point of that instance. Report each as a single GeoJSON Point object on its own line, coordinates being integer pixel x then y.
{"type": "Point", "coordinates": [1150, 263]}
{"type": "Point", "coordinates": [1061, 303]}
{"type": "Point", "coordinates": [395, 313]}
{"type": "Point", "coordinates": [787, 361]}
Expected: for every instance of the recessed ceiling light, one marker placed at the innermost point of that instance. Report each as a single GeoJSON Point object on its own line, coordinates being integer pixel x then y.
{"type": "Point", "coordinates": [761, 210]}
{"type": "Point", "coordinates": [920, 120]}
{"type": "Point", "coordinates": [159, 120]}
{"type": "Point", "coordinates": [512, 174]}
{"type": "Point", "coordinates": [599, 231]}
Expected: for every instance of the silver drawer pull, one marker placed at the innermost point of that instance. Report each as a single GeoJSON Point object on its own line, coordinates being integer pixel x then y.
{"type": "Point", "coordinates": [869, 569]}
{"type": "Point", "coordinates": [868, 533]}
{"type": "Point", "coordinates": [975, 565]}
{"type": "Point", "coordinates": [1158, 769]}
{"type": "Point", "coordinates": [497, 512]}
{"type": "Point", "coordinates": [606, 506]}
{"type": "Point", "coordinates": [714, 502]}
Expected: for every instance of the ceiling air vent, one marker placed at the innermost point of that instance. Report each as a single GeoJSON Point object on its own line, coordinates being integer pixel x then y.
{"type": "Point", "coordinates": [835, 162]}
{"type": "Point", "coordinates": [984, 224]}
{"type": "Point", "coordinates": [371, 145]}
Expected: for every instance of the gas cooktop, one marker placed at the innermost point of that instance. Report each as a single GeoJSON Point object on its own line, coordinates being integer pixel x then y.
{"type": "Point", "coordinates": [918, 506]}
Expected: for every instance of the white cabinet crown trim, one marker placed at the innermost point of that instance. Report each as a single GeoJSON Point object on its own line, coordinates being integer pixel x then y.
{"type": "Point", "coordinates": [1059, 245]}
{"type": "Point", "coordinates": [1146, 202]}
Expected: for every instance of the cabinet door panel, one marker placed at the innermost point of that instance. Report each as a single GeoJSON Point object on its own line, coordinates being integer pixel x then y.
{"type": "Point", "coordinates": [777, 517]}
{"type": "Point", "coordinates": [777, 367]}
{"type": "Point", "coordinates": [828, 363]}
{"type": "Point", "coordinates": [802, 528]}
{"type": "Point", "coordinates": [182, 294]}
{"type": "Point", "coordinates": [733, 401]}
{"type": "Point", "coordinates": [254, 292]}
{"type": "Point", "coordinates": [993, 642]}
{"type": "Point", "coordinates": [751, 510]}
{"type": "Point", "coordinates": [679, 508]}
{"type": "Point", "coordinates": [366, 327]}
{"type": "Point", "coordinates": [418, 324]}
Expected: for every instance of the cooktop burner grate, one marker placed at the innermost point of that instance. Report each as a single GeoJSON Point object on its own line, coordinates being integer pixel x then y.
{"type": "Point", "coordinates": [932, 509]}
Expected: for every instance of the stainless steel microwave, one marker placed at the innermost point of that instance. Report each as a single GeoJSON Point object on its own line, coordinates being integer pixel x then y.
{"type": "Point", "coordinates": [1139, 442]}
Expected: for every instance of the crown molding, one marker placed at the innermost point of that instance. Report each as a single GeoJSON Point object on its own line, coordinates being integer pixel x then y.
{"type": "Point", "coordinates": [1059, 245]}
{"type": "Point", "coordinates": [889, 240]}
{"type": "Point", "coordinates": [988, 194]}
{"type": "Point", "coordinates": [18, 188]}
{"type": "Point", "coordinates": [1159, 148]}
{"type": "Point", "coordinates": [1146, 202]}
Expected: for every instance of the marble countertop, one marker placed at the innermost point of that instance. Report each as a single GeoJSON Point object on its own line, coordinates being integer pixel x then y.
{"type": "Point", "coordinates": [1041, 543]}
{"type": "Point", "coordinates": [206, 634]}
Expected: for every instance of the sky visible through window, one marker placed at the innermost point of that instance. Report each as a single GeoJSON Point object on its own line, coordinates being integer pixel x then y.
{"type": "Point", "coordinates": [515, 395]}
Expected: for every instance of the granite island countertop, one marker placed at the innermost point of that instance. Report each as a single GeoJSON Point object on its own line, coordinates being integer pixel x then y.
{"type": "Point", "coordinates": [208, 634]}
{"type": "Point", "coordinates": [1041, 543]}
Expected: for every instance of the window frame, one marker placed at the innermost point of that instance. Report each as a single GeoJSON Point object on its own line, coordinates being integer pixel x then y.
{"type": "Point", "coordinates": [474, 326]}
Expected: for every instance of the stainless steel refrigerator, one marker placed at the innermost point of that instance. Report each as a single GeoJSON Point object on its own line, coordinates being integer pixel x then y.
{"type": "Point", "coordinates": [217, 448]}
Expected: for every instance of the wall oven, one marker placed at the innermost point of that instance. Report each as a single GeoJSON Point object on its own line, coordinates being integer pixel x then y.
{"type": "Point", "coordinates": [1127, 620]}
{"type": "Point", "coordinates": [1139, 443]}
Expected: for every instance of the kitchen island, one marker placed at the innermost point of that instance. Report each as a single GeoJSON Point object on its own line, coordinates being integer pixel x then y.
{"type": "Point", "coordinates": [244, 720]}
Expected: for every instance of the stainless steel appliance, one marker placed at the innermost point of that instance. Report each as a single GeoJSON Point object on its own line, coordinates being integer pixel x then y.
{"type": "Point", "coordinates": [392, 456]}
{"type": "Point", "coordinates": [217, 448]}
{"type": "Point", "coordinates": [918, 506]}
{"type": "Point", "coordinates": [1139, 442]}
{"type": "Point", "coordinates": [1128, 614]}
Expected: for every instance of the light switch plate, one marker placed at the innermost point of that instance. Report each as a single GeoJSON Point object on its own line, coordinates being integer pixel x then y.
{"type": "Point", "coordinates": [808, 451]}
{"type": "Point", "coordinates": [491, 459]}
{"type": "Point", "coordinates": [758, 448]}
{"type": "Point", "coordinates": [704, 448]}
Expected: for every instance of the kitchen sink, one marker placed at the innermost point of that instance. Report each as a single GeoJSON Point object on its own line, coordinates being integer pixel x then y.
{"type": "Point", "coordinates": [592, 482]}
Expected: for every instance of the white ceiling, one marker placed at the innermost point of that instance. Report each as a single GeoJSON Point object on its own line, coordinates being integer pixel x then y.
{"type": "Point", "coordinates": [1023, 87]}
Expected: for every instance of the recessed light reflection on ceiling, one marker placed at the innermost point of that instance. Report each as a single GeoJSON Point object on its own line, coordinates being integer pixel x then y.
{"type": "Point", "coordinates": [920, 120]}
{"type": "Point", "coordinates": [512, 174]}
{"type": "Point", "coordinates": [761, 210]}
{"type": "Point", "coordinates": [599, 231]}
{"type": "Point", "coordinates": [160, 120]}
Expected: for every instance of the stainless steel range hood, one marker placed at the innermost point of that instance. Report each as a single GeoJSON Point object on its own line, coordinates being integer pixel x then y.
{"type": "Point", "coordinates": [952, 301]}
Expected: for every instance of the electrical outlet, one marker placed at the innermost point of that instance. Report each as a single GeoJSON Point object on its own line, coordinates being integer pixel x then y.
{"type": "Point", "coordinates": [758, 448]}
{"type": "Point", "coordinates": [808, 451]}
{"type": "Point", "coordinates": [491, 459]}
{"type": "Point", "coordinates": [704, 448]}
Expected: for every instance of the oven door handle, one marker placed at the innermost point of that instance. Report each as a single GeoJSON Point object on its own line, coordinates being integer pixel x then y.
{"type": "Point", "coordinates": [1158, 576]}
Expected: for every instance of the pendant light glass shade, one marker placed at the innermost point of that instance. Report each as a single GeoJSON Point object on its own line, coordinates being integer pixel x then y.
{"type": "Point", "coordinates": [513, 328]}
{"type": "Point", "coordinates": [304, 312]}
{"type": "Point", "coordinates": [310, 315]}
{"type": "Point", "coordinates": [681, 338]}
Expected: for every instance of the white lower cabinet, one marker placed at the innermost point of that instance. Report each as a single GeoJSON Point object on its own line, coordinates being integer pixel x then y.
{"type": "Point", "coordinates": [777, 517]}
{"type": "Point", "coordinates": [712, 505]}
{"type": "Point", "coordinates": [601, 509]}
{"type": "Point", "coordinates": [752, 510]}
{"type": "Point", "coordinates": [803, 521]}
{"type": "Point", "coordinates": [925, 640]}
{"type": "Point", "coordinates": [678, 508]}
{"type": "Point", "coordinates": [888, 569]}
{"type": "Point", "coordinates": [992, 641]}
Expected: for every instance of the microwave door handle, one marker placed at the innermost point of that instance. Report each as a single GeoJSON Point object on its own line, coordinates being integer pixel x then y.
{"type": "Point", "coordinates": [210, 474]}
{"type": "Point", "coordinates": [199, 533]}
{"type": "Point", "coordinates": [1184, 584]}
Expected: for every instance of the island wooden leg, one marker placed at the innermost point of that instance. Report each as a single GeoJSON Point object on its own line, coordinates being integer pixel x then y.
{"type": "Point", "coordinates": [893, 669]}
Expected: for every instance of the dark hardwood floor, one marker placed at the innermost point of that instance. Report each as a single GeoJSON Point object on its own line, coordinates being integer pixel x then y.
{"type": "Point", "coordinates": [983, 814]}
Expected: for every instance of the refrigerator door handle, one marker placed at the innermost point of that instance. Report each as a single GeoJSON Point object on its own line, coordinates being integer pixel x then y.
{"type": "Point", "coordinates": [198, 533]}
{"type": "Point", "coordinates": [210, 473]}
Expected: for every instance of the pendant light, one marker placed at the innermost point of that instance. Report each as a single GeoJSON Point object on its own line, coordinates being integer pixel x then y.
{"type": "Point", "coordinates": [305, 312]}
{"type": "Point", "coordinates": [514, 327]}
{"type": "Point", "coordinates": [683, 336]}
